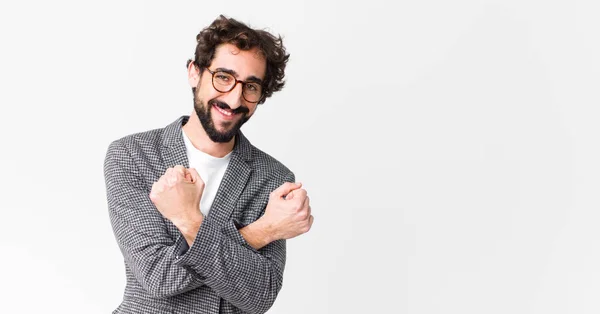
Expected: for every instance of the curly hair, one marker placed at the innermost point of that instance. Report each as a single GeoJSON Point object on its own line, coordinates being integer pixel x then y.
{"type": "Point", "coordinates": [227, 30]}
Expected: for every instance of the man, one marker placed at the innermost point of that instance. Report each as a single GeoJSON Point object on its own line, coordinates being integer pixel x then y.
{"type": "Point", "coordinates": [200, 214]}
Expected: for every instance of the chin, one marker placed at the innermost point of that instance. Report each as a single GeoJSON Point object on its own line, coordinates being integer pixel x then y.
{"type": "Point", "coordinates": [223, 129]}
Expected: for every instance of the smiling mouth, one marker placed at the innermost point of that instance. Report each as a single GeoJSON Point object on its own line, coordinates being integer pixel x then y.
{"type": "Point", "coordinates": [227, 114]}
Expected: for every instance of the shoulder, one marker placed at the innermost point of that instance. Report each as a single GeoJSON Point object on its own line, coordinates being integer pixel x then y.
{"type": "Point", "coordinates": [148, 143]}
{"type": "Point", "coordinates": [127, 153]}
{"type": "Point", "coordinates": [140, 141]}
{"type": "Point", "coordinates": [269, 167]}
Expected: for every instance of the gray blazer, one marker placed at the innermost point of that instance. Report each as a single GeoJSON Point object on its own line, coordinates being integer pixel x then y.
{"type": "Point", "coordinates": [220, 272]}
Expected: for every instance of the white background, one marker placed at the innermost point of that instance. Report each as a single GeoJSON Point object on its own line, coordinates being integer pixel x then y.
{"type": "Point", "coordinates": [450, 148]}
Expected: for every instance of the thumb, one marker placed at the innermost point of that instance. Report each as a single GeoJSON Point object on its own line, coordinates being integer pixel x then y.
{"type": "Point", "coordinates": [188, 176]}
{"type": "Point", "coordinates": [289, 196]}
{"type": "Point", "coordinates": [195, 177]}
{"type": "Point", "coordinates": [286, 188]}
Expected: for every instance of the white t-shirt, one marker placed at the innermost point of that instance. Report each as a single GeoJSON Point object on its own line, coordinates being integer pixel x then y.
{"type": "Point", "coordinates": [211, 170]}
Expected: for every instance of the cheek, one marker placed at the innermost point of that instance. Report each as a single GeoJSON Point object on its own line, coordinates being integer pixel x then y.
{"type": "Point", "coordinates": [252, 108]}
{"type": "Point", "coordinates": [206, 94]}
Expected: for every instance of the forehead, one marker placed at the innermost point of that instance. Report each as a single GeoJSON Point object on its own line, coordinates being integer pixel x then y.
{"type": "Point", "coordinates": [245, 63]}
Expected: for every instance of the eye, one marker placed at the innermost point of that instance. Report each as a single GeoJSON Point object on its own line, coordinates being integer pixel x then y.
{"type": "Point", "coordinates": [253, 87]}
{"type": "Point", "coordinates": [223, 77]}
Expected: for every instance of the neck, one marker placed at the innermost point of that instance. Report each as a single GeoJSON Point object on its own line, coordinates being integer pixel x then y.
{"type": "Point", "coordinates": [197, 135]}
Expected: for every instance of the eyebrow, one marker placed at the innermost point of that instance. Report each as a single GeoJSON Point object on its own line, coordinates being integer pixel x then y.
{"type": "Point", "coordinates": [251, 78]}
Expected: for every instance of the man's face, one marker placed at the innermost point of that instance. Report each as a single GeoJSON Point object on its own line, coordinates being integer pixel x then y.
{"type": "Point", "coordinates": [222, 114]}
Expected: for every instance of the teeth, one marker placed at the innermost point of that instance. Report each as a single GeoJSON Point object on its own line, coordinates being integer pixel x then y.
{"type": "Point", "coordinates": [227, 113]}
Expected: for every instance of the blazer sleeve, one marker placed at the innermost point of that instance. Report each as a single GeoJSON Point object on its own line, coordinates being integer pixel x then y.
{"type": "Point", "coordinates": [249, 279]}
{"type": "Point", "coordinates": [140, 230]}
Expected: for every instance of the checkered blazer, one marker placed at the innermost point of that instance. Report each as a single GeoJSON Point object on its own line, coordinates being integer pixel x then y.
{"type": "Point", "coordinates": [220, 272]}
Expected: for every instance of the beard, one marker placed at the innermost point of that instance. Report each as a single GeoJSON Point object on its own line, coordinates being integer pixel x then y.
{"type": "Point", "coordinates": [204, 114]}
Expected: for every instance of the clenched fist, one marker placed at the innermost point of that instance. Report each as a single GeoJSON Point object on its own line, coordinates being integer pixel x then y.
{"type": "Point", "coordinates": [288, 213]}
{"type": "Point", "coordinates": [177, 194]}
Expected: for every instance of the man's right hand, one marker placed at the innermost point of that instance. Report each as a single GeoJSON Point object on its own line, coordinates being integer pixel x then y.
{"type": "Point", "coordinates": [288, 213]}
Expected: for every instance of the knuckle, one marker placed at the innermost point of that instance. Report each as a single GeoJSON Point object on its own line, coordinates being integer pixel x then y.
{"type": "Point", "coordinates": [302, 195]}
{"type": "Point", "coordinates": [302, 215]}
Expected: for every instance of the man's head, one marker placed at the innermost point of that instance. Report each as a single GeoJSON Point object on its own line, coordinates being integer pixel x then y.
{"type": "Point", "coordinates": [235, 68]}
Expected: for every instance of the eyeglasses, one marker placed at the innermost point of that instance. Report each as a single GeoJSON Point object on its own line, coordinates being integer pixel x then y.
{"type": "Point", "coordinates": [225, 82]}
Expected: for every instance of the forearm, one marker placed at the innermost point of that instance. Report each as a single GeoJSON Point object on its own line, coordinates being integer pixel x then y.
{"type": "Point", "coordinates": [248, 279]}
{"type": "Point", "coordinates": [189, 227]}
{"type": "Point", "coordinates": [151, 260]}
{"type": "Point", "coordinates": [140, 231]}
{"type": "Point", "coordinates": [258, 234]}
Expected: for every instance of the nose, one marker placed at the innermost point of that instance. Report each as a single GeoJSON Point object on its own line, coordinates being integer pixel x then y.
{"type": "Point", "coordinates": [234, 97]}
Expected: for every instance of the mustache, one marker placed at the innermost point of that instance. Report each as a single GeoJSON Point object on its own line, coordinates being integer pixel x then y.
{"type": "Point", "coordinates": [222, 105]}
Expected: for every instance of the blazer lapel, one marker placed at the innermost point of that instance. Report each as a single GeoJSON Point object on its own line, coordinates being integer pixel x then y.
{"type": "Point", "coordinates": [236, 175]}
{"type": "Point", "coordinates": [234, 181]}
{"type": "Point", "coordinates": [173, 150]}
{"type": "Point", "coordinates": [173, 153]}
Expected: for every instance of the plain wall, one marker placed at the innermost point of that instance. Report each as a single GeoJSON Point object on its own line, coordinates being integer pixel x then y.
{"type": "Point", "coordinates": [450, 148]}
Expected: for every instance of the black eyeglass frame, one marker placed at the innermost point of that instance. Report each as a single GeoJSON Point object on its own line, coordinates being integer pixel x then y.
{"type": "Point", "coordinates": [235, 84]}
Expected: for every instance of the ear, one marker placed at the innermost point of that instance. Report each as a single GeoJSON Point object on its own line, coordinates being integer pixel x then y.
{"type": "Point", "coordinates": [193, 74]}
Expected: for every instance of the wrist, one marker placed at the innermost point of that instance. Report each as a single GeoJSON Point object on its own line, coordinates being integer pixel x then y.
{"type": "Point", "coordinates": [189, 226]}
{"type": "Point", "coordinates": [267, 229]}
{"type": "Point", "coordinates": [258, 234]}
